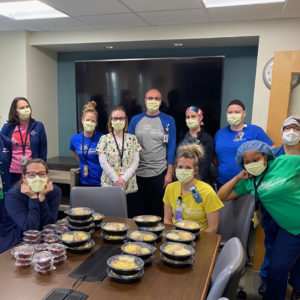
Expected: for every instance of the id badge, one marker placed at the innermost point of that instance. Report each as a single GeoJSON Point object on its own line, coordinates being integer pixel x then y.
{"type": "Point", "coordinates": [195, 194]}
{"type": "Point", "coordinates": [86, 170]}
{"type": "Point", "coordinates": [178, 213]}
{"type": "Point", "coordinates": [166, 138]}
{"type": "Point", "coordinates": [121, 171]}
{"type": "Point", "coordinates": [23, 160]}
{"type": "Point", "coordinates": [255, 219]}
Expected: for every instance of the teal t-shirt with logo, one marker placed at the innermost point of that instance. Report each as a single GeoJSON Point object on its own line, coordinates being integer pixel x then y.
{"type": "Point", "coordinates": [279, 191]}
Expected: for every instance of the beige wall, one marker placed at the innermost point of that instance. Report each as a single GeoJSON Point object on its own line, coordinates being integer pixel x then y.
{"type": "Point", "coordinates": [13, 70]}
{"type": "Point", "coordinates": [30, 72]}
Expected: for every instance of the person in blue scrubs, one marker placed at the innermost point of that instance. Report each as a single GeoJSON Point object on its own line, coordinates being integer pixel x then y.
{"type": "Point", "coordinates": [231, 137]}
{"type": "Point", "coordinates": [84, 145]}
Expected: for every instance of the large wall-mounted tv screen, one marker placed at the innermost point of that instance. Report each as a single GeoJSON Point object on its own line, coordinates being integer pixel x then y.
{"type": "Point", "coordinates": [183, 81]}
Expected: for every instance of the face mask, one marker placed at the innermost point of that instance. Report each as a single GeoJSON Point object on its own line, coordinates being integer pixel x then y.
{"type": "Point", "coordinates": [24, 114]}
{"type": "Point", "coordinates": [256, 168]}
{"type": "Point", "coordinates": [118, 125]}
{"type": "Point", "coordinates": [192, 123]}
{"type": "Point", "coordinates": [184, 175]}
{"type": "Point", "coordinates": [291, 137]}
{"type": "Point", "coordinates": [37, 184]}
{"type": "Point", "coordinates": [89, 126]}
{"type": "Point", "coordinates": [234, 119]}
{"type": "Point", "coordinates": [152, 105]}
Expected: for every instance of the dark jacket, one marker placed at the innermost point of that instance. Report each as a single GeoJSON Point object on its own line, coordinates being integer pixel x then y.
{"type": "Point", "coordinates": [23, 213]}
{"type": "Point", "coordinates": [204, 139]}
{"type": "Point", "coordinates": [5, 160]}
{"type": "Point", "coordinates": [38, 139]}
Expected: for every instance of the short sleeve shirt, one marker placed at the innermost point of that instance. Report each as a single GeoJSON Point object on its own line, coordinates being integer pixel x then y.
{"type": "Point", "coordinates": [191, 209]}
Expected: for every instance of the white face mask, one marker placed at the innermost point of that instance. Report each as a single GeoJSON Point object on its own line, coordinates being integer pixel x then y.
{"type": "Point", "coordinates": [37, 184]}
{"type": "Point", "coordinates": [192, 123]}
{"type": "Point", "coordinates": [89, 126]}
{"type": "Point", "coordinates": [152, 105]}
{"type": "Point", "coordinates": [256, 168]}
{"type": "Point", "coordinates": [234, 119]}
{"type": "Point", "coordinates": [118, 125]}
{"type": "Point", "coordinates": [184, 175]}
{"type": "Point", "coordinates": [24, 113]}
{"type": "Point", "coordinates": [291, 137]}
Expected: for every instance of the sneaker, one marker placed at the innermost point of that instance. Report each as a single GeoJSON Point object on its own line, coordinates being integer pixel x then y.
{"type": "Point", "coordinates": [295, 295]}
{"type": "Point", "coordinates": [262, 289]}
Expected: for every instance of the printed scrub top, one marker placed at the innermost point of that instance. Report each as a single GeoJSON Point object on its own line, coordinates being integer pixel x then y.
{"type": "Point", "coordinates": [279, 191]}
{"type": "Point", "coordinates": [107, 146]}
{"type": "Point", "coordinates": [191, 209]}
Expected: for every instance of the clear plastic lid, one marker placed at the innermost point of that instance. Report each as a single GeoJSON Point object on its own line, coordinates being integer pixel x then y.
{"type": "Point", "coordinates": [31, 234]}
{"type": "Point", "coordinates": [43, 258]}
{"type": "Point", "coordinates": [56, 248]}
{"type": "Point", "coordinates": [41, 247]}
{"type": "Point", "coordinates": [24, 251]}
{"type": "Point", "coordinates": [51, 238]}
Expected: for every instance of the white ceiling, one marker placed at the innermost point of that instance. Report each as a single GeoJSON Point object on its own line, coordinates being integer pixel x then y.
{"type": "Point", "coordinates": [97, 14]}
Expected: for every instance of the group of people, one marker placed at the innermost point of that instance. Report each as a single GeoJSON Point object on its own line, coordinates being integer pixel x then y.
{"type": "Point", "coordinates": [143, 158]}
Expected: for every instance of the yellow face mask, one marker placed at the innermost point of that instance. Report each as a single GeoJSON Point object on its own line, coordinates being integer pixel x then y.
{"type": "Point", "coordinates": [24, 114]}
{"type": "Point", "coordinates": [184, 175]}
{"type": "Point", "coordinates": [89, 126]}
{"type": "Point", "coordinates": [118, 125]}
{"type": "Point", "coordinates": [234, 119]}
{"type": "Point", "coordinates": [192, 123]}
{"type": "Point", "coordinates": [152, 105]}
{"type": "Point", "coordinates": [37, 184]}
{"type": "Point", "coordinates": [255, 168]}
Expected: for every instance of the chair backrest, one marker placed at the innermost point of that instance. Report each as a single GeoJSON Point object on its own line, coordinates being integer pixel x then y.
{"type": "Point", "coordinates": [235, 219]}
{"type": "Point", "coordinates": [109, 200]}
{"type": "Point", "coordinates": [228, 270]}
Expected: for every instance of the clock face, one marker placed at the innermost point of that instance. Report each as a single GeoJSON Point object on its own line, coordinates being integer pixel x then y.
{"type": "Point", "coordinates": [267, 75]}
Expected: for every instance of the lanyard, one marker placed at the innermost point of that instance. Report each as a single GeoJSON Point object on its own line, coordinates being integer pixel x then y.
{"type": "Point", "coordinates": [256, 186]}
{"type": "Point", "coordinates": [120, 152]}
{"type": "Point", "coordinates": [23, 143]}
{"type": "Point", "coordinates": [89, 146]}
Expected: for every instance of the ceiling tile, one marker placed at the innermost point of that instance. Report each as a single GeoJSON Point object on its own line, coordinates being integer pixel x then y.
{"type": "Point", "coordinates": [155, 5]}
{"type": "Point", "coordinates": [17, 25]}
{"type": "Point", "coordinates": [189, 16]}
{"type": "Point", "coordinates": [58, 24]}
{"type": "Point", "coordinates": [114, 20]}
{"type": "Point", "coordinates": [245, 12]}
{"type": "Point", "coordinates": [88, 7]}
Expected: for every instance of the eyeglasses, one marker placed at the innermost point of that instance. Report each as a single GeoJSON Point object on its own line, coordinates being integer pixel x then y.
{"type": "Point", "coordinates": [115, 119]}
{"type": "Point", "coordinates": [41, 174]}
{"type": "Point", "coordinates": [292, 126]}
{"type": "Point", "coordinates": [153, 98]}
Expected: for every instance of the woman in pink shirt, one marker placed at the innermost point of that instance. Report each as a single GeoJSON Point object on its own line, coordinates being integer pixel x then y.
{"type": "Point", "coordinates": [28, 137]}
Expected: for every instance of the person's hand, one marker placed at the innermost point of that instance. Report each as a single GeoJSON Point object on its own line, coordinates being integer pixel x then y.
{"type": "Point", "coordinates": [48, 189]}
{"type": "Point", "coordinates": [26, 190]}
{"type": "Point", "coordinates": [120, 182]}
{"type": "Point", "coordinates": [168, 179]}
{"type": "Point", "coordinates": [243, 175]}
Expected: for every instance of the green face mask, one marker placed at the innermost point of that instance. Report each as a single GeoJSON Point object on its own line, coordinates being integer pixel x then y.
{"type": "Point", "coordinates": [255, 168]}
{"type": "Point", "coordinates": [234, 119]}
{"type": "Point", "coordinates": [24, 114]}
{"type": "Point", "coordinates": [37, 184]}
{"type": "Point", "coordinates": [184, 175]}
{"type": "Point", "coordinates": [118, 125]}
{"type": "Point", "coordinates": [89, 126]}
{"type": "Point", "coordinates": [192, 123]}
{"type": "Point", "coordinates": [152, 105]}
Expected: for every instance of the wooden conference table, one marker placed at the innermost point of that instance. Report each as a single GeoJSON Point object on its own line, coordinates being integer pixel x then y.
{"type": "Point", "coordinates": [159, 281]}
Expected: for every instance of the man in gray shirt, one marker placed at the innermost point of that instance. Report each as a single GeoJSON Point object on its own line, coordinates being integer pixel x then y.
{"type": "Point", "coordinates": [156, 133]}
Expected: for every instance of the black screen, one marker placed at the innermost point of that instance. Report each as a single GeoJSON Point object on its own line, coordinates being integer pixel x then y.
{"type": "Point", "coordinates": [182, 81]}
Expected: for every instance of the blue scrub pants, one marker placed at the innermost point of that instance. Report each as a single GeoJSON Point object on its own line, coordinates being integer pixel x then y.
{"type": "Point", "coordinates": [285, 259]}
{"type": "Point", "coordinates": [270, 228]}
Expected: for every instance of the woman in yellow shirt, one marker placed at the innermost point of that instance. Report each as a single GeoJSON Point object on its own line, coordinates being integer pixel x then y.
{"type": "Point", "coordinates": [189, 198]}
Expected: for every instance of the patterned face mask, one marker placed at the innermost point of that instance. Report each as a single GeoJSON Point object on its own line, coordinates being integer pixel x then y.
{"type": "Point", "coordinates": [37, 184]}
{"type": "Point", "coordinates": [192, 123]}
{"type": "Point", "coordinates": [89, 126]}
{"type": "Point", "coordinates": [152, 105]}
{"type": "Point", "coordinates": [24, 113]}
{"type": "Point", "coordinates": [118, 125]}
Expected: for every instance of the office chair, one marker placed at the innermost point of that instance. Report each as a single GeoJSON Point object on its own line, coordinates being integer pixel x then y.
{"type": "Point", "coordinates": [228, 270]}
{"type": "Point", "coordinates": [109, 200]}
